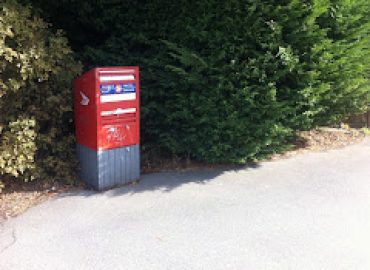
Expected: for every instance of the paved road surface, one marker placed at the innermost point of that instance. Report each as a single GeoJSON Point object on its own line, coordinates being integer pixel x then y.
{"type": "Point", "coordinates": [307, 212]}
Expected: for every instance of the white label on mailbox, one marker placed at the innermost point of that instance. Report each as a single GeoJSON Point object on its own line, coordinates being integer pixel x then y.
{"type": "Point", "coordinates": [118, 71]}
{"type": "Point", "coordinates": [117, 78]}
{"type": "Point", "coordinates": [118, 111]}
{"type": "Point", "coordinates": [117, 97]}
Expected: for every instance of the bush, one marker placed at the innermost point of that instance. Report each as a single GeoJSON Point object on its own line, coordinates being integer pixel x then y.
{"type": "Point", "coordinates": [342, 60]}
{"type": "Point", "coordinates": [37, 67]}
{"type": "Point", "coordinates": [232, 80]}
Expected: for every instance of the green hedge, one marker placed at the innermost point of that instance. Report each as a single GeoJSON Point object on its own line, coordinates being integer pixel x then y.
{"type": "Point", "coordinates": [228, 80]}
{"type": "Point", "coordinates": [37, 68]}
{"type": "Point", "coordinates": [233, 80]}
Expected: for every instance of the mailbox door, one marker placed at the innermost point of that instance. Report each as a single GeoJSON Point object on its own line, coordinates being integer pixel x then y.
{"type": "Point", "coordinates": [118, 107]}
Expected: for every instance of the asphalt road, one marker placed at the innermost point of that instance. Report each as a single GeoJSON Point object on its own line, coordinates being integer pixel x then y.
{"type": "Point", "coordinates": [311, 211]}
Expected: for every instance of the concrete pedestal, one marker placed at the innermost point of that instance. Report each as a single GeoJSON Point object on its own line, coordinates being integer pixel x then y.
{"type": "Point", "coordinates": [109, 168]}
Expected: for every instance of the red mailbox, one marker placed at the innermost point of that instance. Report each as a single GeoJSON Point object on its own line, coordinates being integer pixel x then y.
{"type": "Point", "coordinates": [107, 117]}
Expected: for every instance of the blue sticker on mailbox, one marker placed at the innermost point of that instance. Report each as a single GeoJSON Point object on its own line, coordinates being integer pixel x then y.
{"type": "Point", "coordinates": [106, 89]}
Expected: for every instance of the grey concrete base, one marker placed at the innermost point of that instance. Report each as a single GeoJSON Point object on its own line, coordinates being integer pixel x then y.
{"type": "Point", "coordinates": [109, 168]}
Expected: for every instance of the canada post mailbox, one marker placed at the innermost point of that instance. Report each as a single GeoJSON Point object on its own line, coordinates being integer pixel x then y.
{"type": "Point", "coordinates": [107, 117]}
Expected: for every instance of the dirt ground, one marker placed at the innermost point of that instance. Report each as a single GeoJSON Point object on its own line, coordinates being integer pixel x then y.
{"type": "Point", "coordinates": [323, 139]}
{"type": "Point", "coordinates": [18, 197]}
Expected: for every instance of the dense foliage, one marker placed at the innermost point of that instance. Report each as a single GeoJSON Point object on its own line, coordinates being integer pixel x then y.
{"type": "Point", "coordinates": [229, 80]}
{"type": "Point", "coordinates": [221, 80]}
{"type": "Point", "coordinates": [36, 68]}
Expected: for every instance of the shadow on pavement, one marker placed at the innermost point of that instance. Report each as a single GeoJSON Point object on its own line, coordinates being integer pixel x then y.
{"type": "Point", "coordinates": [164, 181]}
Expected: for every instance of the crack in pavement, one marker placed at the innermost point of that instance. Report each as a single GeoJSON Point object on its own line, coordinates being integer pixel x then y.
{"type": "Point", "coordinates": [14, 240]}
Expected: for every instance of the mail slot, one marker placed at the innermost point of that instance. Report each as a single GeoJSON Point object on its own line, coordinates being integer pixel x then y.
{"type": "Point", "coordinates": [107, 119]}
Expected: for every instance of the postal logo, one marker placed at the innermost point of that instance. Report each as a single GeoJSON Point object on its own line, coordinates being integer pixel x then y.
{"type": "Point", "coordinates": [118, 88]}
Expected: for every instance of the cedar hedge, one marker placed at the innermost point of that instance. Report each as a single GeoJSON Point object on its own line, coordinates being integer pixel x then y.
{"type": "Point", "coordinates": [222, 81]}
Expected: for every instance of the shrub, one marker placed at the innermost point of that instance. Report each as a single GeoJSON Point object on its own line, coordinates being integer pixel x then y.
{"type": "Point", "coordinates": [220, 80]}
{"type": "Point", "coordinates": [342, 60]}
{"type": "Point", "coordinates": [36, 67]}
{"type": "Point", "coordinates": [229, 80]}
